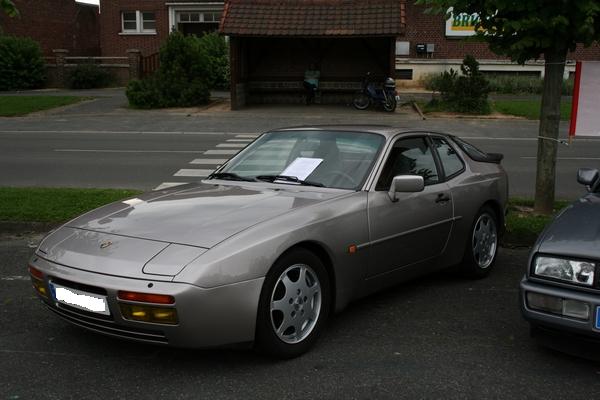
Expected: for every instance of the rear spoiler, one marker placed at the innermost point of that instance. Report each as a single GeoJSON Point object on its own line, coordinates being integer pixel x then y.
{"type": "Point", "coordinates": [477, 155]}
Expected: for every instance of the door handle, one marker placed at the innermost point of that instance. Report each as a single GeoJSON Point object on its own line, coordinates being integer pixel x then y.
{"type": "Point", "coordinates": [442, 198]}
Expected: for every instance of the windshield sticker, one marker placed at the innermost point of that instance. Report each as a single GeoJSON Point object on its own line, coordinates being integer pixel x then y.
{"type": "Point", "coordinates": [302, 167]}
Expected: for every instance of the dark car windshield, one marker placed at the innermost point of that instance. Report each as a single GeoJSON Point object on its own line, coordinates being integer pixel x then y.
{"type": "Point", "coordinates": [318, 158]}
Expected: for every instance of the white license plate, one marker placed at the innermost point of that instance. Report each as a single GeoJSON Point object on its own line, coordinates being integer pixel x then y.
{"type": "Point", "coordinates": [91, 302]}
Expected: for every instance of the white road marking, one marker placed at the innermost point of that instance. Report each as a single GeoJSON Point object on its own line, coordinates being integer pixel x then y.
{"type": "Point", "coordinates": [15, 278]}
{"type": "Point", "coordinates": [209, 161]}
{"type": "Point", "coordinates": [239, 140]}
{"type": "Point", "coordinates": [166, 185]}
{"type": "Point", "coordinates": [220, 152]}
{"type": "Point", "coordinates": [567, 158]}
{"type": "Point", "coordinates": [237, 145]}
{"type": "Point", "coordinates": [247, 136]}
{"type": "Point", "coordinates": [126, 151]}
{"type": "Point", "coordinates": [193, 172]}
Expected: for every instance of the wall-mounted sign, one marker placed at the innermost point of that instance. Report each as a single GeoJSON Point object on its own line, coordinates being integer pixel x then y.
{"type": "Point", "coordinates": [461, 24]}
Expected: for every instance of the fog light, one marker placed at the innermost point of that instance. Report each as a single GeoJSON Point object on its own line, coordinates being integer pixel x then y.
{"type": "Point", "coordinates": [158, 315]}
{"type": "Point", "coordinates": [544, 302]}
{"type": "Point", "coordinates": [576, 309]}
{"type": "Point", "coordinates": [40, 287]}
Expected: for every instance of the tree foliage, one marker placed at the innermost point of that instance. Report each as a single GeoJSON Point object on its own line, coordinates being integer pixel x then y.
{"type": "Point", "coordinates": [9, 8]}
{"type": "Point", "coordinates": [528, 29]}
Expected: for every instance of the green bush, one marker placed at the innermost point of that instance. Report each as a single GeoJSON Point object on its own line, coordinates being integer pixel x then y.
{"type": "Point", "coordinates": [465, 93]}
{"type": "Point", "coordinates": [182, 79]}
{"type": "Point", "coordinates": [21, 64]}
{"type": "Point", "coordinates": [89, 76]}
{"type": "Point", "coordinates": [217, 51]}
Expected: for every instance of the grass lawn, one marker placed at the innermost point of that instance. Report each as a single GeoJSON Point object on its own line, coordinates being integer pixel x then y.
{"type": "Point", "coordinates": [522, 226]}
{"type": "Point", "coordinates": [529, 109]}
{"type": "Point", "coordinates": [12, 106]}
{"type": "Point", "coordinates": [54, 205]}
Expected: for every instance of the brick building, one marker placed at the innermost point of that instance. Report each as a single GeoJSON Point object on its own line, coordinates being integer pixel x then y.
{"type": "Point", "coordinates": [145, 24]}
{"type": "Point", "coordinates": [431, 46]}
{"type": "Point", "coordinates": [426, 46]}
{"type": "Point", "coordinates": [56, 24]}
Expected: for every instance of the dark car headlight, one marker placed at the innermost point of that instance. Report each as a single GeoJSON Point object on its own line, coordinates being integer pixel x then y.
{"type": "Point", "coordinates": [572, 271]}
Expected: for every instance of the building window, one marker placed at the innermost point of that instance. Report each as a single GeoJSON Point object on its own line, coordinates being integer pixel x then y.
{"type": "Point", "coordinates": [138, 22]}
{"type": "Point", "coordinates": [196, 22]}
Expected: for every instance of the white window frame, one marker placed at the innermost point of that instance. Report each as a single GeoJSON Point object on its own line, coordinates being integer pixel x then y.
{"type": "Point", "coordinates": [139, 24]}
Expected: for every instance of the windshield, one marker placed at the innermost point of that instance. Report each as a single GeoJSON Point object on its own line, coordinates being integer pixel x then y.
{"type": "Point", "coordinates": [318, 158]}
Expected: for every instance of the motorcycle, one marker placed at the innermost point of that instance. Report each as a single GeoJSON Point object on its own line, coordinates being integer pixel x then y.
{"type": "Point", "coordinates": [371, 94]}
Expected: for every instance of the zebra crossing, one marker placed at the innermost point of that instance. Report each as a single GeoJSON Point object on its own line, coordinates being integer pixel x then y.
{"type": "Point", "coordinates": [206, 165]}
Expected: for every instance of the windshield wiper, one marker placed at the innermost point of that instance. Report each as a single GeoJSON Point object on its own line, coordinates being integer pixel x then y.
{"type": "Point", "coordinates": [287, 178]}
{"type": "Point", "coordinates": [230, 176]}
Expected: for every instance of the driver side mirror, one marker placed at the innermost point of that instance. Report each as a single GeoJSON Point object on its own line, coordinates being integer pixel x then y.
{"type": "Point", "coordinates": [406, 184]}
{"type": "Point", "coordinates": [588, 177]}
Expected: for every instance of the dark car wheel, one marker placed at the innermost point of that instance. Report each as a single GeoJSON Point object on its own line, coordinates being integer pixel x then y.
{"type": "Point", "coordinates": [294, 305]}
{"type": "Point", "coordinates": [361, 101]}
{"type": "Point", "coordinates": [482, 245]}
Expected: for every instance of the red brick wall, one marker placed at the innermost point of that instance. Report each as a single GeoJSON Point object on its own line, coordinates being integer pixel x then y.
{"type": "Point", "coordinates": [56, 24]}
{"type": "Point", "coordinates": [115, 45]}
{"type": "Point", "coordinates": [427, 28]}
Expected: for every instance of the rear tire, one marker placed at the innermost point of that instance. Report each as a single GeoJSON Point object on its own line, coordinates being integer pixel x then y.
{"type": "Point", "coordinates": [294, 305]}
{"type": "Point", "coordinates": [361, 101]}
{"type": "Point", "coordinates": [482, 247]}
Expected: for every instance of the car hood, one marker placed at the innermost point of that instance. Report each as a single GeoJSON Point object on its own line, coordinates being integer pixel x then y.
{"type": "Point", "coordinates": [576, 231]}
{"type": "Point", "coordinates": [199, 215]}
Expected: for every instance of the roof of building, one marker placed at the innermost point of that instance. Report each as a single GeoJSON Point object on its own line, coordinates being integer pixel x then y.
{"type": "Point", "coordinates": [313, 18]}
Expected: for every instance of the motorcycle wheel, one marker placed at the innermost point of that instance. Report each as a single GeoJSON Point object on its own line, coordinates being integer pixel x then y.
{"type": "Point", "coordinates": [361, 101]}
{"type": "Point", "coordinates": [390, 104]}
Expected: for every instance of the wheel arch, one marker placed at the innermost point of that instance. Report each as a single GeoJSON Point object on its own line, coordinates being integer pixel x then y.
{"type": "Point", "coordinates": [495, 206]}
{"type": "Point", "coordinates": [323, 254]}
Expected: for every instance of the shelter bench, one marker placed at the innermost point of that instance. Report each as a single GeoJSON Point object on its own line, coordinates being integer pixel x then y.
{"type": "Point", "coordinates": [287, 91]}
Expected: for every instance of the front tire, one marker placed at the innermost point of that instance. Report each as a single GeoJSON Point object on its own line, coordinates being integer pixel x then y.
{"type": "Point", "coordinates": [294, 305]}
{"type": "Point", "coordinates": [390, 104]}
{"type": "Point", "coordinates": [482, 247]}
{"type": "Point", "coordinates": [361, 101]}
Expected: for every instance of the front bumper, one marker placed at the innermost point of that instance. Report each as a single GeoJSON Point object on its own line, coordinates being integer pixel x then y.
{"type": "Point", "coordinates": [558, 322]}
{"type": "Point", "coordinates": [212, 317]}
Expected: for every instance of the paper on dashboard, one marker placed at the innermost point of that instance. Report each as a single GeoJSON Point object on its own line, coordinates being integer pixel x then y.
{"type": "Point", "coordinates": [302, 167]}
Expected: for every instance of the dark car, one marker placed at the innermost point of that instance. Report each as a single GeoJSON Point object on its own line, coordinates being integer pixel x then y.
{"type": "Point", "coordinates": [560, 294]}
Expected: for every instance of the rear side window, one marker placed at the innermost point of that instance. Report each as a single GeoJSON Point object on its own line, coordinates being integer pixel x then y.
{"type": "Point", "coordinates": [410, 156]}
{"type": "Point", "coordinates": [450, 160]}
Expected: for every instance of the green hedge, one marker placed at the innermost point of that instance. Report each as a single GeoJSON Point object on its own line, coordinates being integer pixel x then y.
{"type": "Point", "coordinates": [182, 79]}
{"type": "Point", "coordinates": [89, 76]}
{"type": "Point", "coordinates": [21, 64]}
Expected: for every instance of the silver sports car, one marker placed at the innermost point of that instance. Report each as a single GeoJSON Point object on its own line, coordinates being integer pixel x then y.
{"type": "Point", "coordinates": [298, 224]}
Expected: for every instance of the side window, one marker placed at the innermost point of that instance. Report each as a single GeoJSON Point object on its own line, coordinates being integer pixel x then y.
{"type": "Point", "coordinates": [409, 157]}
{"type": "Point", "coordinates": [450, 160]}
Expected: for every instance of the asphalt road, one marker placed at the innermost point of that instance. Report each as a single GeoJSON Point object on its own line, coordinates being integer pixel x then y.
{"type": "Point", "coordinates": [102, 144]}
{"type": "Point", "coordinates": [436, 337]}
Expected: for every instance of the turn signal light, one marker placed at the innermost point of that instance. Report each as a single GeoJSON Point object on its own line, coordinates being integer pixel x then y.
{"type": "Point", "coordinates": [157, 315]}
{"type": "Point", "coordinates": [146, 297]}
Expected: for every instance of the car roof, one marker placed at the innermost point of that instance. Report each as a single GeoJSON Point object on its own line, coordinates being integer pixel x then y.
{"type": "Point", "coordinates": [385, 130]}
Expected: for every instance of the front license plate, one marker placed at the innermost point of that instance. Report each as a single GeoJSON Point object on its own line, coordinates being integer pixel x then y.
{"type": "Point", "coordinates": [597, 317]}
{"type": "Point", "coordinates": [91, 302]}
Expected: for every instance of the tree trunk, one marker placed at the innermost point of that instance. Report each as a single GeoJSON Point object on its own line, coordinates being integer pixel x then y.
{"type": "Point", "coordinates": [549, 124]}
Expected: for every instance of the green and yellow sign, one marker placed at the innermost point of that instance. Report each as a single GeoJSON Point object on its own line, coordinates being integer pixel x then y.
{"type": "Point", "coordinates": [461, 24]}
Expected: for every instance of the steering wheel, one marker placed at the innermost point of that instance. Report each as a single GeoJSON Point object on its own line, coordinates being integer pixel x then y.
{"type": "Point", "coordinates": [342, 174]}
